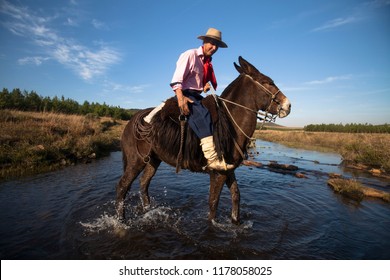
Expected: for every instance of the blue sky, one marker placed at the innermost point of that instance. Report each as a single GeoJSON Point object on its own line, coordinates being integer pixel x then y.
{"type": "Point", "coordinates": [331, 58]}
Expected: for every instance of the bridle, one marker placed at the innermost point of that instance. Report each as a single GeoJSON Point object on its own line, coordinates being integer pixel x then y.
{"type": "Point", "coordinates": [265, 116]}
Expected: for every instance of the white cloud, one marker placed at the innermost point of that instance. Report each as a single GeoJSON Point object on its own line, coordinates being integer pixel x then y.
{"type": "Point", "coordinates": [358, 13]}
{"type": "Point", "coordinates": [336, 23]}
{"type": "Point", "coordinates": [71, 22]}
{"type": "Point", "coordinates": [99, 25]}
{"type": "Point", "coordinates": [37, 60]}
{"type": "Point", "coordinates": [137, 89]}
{"type": "Point", "coordinates": [294, 88]}
{"type": "Point", "coordinates": [111, 86]}
{"type": "Point", "coordinates": [87, 62]}
{"type": "Point", "coordinates": [329, 80]}
{"type": "Point", "coordinates": [377, 3]}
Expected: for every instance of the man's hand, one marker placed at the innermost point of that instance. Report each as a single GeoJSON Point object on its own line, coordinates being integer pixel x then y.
{"type": "Point", "coordinates": [183, 102]}
{"type": "Point", "coordinates": [183, 105]}
{"type": "Point", "coordinates": [206, 87]}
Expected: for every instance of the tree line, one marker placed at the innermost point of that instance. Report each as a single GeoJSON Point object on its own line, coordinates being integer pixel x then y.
{"type": "Point", "coordinates": [349, 128]}
{"type": "Point", "coordinates": [32, 101]}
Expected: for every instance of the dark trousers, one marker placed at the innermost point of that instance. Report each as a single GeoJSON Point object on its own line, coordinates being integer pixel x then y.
{"type": "Point", "coordinates": [199, 118]}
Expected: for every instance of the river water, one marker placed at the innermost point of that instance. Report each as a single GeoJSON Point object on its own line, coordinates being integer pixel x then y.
{"type": "Point", "coordinates": [69, 214]}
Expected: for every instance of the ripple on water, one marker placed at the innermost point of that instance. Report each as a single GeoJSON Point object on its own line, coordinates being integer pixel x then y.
{"type": "Point", "coordinates": [283, 217]}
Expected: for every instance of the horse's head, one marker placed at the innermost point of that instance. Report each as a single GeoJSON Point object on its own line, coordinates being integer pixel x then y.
{"type": "Point", "coordinates": [268, 96]}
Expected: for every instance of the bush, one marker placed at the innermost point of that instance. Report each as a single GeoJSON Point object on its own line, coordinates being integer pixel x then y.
{"type": "Point", "coordinates": [349, 128]}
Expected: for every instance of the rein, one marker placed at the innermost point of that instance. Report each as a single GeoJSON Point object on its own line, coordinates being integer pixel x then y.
{"type": "Point", "coordinates": [231, 116]}
{"type": "Point", "coordinates": [272, 118]}
{"type": "Point", "coordinates": [266, 115]}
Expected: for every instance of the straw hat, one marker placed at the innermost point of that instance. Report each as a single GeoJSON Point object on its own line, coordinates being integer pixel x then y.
{"type": "Point", "coordinates": [214, 34]}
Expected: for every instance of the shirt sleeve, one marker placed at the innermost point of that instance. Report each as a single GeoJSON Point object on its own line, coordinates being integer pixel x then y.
{"type": "Point", "coordinates": [182, 70]}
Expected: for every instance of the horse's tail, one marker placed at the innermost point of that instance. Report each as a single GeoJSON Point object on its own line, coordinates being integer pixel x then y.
{"type": "Point", "coordinates": [134, 131]}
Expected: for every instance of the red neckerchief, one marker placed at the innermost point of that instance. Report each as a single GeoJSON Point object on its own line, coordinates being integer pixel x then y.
{"type": "Point", "coordinates": [208, 72]}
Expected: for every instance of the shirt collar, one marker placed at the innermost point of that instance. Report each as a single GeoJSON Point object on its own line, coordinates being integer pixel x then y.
{"type": "Point", "coordinates": [199, 51]}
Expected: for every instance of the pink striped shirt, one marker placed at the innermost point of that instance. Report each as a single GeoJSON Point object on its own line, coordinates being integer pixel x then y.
{"type": "Point", "coordinates": [189, 71]}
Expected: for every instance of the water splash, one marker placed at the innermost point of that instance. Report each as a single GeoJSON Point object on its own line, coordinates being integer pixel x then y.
{"type": "Point", "coordinates": [228, 227]}
{"type": "Point", "coordinates": [102, 223]}
{"type": "Point", "coordinates": [154, 217]}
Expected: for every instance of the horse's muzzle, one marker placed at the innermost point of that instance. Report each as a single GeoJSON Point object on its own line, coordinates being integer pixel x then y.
{"type": "Point", "coordinates": [284, 108]}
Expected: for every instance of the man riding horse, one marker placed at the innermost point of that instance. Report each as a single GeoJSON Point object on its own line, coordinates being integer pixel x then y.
{"type": "Point", "coordinates": [193, 73]}
{"type": "Point", "coordinates": [234, 115]}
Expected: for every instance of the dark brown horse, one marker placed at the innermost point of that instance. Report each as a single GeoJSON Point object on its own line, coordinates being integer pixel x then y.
{"type": "Point", "coordinates": [234, 116]}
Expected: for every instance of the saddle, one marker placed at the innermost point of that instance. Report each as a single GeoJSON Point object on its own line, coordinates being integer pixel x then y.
{"type": "Point", "coordinates": [171, 108]}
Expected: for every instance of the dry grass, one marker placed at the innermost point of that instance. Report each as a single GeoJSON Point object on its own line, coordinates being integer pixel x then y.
{"type": "Point", "coordinates": [372, 150]}
{"type": "Point", "coordinates": [355, 190]}
{"type": "Point", "coordinates": [35, 142]}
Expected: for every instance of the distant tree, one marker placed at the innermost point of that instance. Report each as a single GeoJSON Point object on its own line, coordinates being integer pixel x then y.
{"type": "Point", "coordinates": [32, 101]}
{"type": "Point", "coordinates": [16, 100]}
{"type": "Point", "coordinates": [349, 128]}
{"type": "Point", "coordinates": [4, 99]}
{"type": "Point", "coordinates": [85, 108]}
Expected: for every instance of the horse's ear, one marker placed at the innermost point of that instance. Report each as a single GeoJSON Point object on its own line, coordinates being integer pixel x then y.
{"type": "Point", "coordinates": [238, 68]}
{"type": "Point", "coordinates": [246, 66]}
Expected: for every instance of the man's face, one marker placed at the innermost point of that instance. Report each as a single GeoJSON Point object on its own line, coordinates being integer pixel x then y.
{"type": "Point", "coordinates": [210, 47]}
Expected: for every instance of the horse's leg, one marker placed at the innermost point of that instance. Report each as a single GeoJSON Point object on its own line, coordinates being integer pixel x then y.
{"type": "Point", "coordinates": [149, 172]}
{"type": "Point", "coordinates": [131, 172]}
{"type": "Point", "coordinates": [235, 194]}
{"type": "Point", "coordinates": [217, 181]}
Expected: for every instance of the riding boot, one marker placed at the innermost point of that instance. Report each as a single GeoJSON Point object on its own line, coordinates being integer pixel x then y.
{"type": "Point", "coordinates": [210, 154]}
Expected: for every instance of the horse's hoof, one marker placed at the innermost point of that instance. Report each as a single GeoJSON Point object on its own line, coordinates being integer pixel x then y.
{"type": "Point", "coordinates": [146, 207]}
{"type": "Point", "coordinates": [121, 219]}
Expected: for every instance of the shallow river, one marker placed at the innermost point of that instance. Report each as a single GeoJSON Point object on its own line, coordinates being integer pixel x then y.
{"type": "Point", "coordinates": [69, 214]}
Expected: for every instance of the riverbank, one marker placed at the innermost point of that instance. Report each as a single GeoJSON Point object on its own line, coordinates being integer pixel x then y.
{"type": "Point", "coordinates": [32, 143]}
{"type": "Point", "coordinates": [364, 151]}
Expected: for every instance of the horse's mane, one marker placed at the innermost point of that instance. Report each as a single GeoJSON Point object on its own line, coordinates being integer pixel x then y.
{"type": "Point", "coordinates": [166, 133]}
{"type": "Point", "coordinates": [232, 85]}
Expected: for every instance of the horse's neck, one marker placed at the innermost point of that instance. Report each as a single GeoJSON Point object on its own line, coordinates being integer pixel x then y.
{"type": "Point", "coordinates": [240, 91]}
{"type": "Point", "coordinates": [243, 114]}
